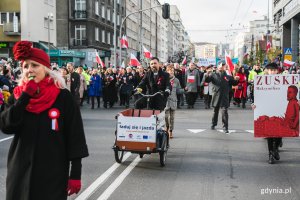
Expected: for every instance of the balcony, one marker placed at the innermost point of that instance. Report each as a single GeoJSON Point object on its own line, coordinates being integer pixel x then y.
{"type": "Point", "coordinates": [79, 14]}
{"type": "Point", "coordinates": [78, 42]}
{"type": "Point", "coordinates": [12, 28]}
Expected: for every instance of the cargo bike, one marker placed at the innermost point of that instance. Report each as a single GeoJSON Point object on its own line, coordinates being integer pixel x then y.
{"type": "Point", "coordinates": [141, 131]}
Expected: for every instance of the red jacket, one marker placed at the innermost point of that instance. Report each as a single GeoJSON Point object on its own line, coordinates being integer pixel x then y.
{"type": "Point", "coordinates": [241, 89]}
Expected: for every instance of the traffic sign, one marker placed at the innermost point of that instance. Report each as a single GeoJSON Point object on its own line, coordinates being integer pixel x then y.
{"type": "Point", "coordinates": [287, 54]}
{"type": "Point", "coordinates": [287, 51]}
{"type": "Point", "coordinates": [287, 57]}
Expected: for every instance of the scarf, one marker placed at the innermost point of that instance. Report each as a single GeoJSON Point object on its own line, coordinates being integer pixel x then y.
{"type": "Point", "coordinates": [42, 101]}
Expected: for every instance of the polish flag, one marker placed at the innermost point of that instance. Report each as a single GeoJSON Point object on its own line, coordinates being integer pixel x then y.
{"type": "Point", "coordinates": [147, 53]}
{"type": "Point", "coordinates": [99, 61]}
{"type": "Point", "coordinates": [288, 63]}
{"type": "Point", "coordinates": [229, 62]}
{"type": "Point", "coordinates": [134, 61]}
{"type": "Point", "coordinates": [184, 62]}
{"type": "Point", "coordinates": [268, 45]}
{"type": "Point", "coordinates": [124, 42]}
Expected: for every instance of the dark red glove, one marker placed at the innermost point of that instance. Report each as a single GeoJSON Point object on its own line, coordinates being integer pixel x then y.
{"type": "Point", "coordinates": [31, 88]}
{"type": "Point", "coordinates": [74, 186]}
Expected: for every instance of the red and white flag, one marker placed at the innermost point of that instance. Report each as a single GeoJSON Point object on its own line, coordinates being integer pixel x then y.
{"type": "Point", "coordinates": [229, 62]}
{"type": "Point", "coordinates": [268, 45]}
{"type": "Point", "coordinates": [184, 62]}
{"type": "Point", "coordinates": [147, 53]}
{"type": "Point", "coordinates": [99, 61]}
{"type": "Point", "coordinates": [288, 63]}
{"type": "Point", "coordinates": [134, 61]}
{"type": "Point", "coordinates": [124, 42]}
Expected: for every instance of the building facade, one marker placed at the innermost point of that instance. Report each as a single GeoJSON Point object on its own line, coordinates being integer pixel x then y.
{"type": "Point", "coordinates": [205, 50]}
{"type": "Point", "coordinates": [87, 26]}
{"type": "Point", "coordinates": [286, 14]}
{"type": "Point", "coordinates": [10, 26]}
{"type": "Point", "coordinates": [38, 23]}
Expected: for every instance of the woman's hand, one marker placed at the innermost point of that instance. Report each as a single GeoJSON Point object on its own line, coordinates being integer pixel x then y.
{"type": "Point", "coordinates": [74, 186]}
{"type": "Point", "coordinates": [31, 88]}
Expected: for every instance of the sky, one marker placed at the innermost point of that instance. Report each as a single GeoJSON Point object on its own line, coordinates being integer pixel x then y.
{"type": "Point", "coordinates": [202, 18]}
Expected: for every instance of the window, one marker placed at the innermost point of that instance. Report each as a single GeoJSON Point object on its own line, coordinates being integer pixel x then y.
{"type": "Point", "coordinates": [108, 37]}
{"type": "Point", "coordinates": [103, 36]}
{"type": "Point", "coordinates": [80, 4]}
{"type": "Point", "coordinates": [108, 14]}
{"type": "Point", "coordinates": [10, 17]}
{"type": "Point", "coordinates": [114, 18]}
{"type": "Point", "coordinates": [96, 33]}
{"type": "Point", "coordinates": [80, 34]}
{"type": "Point", "coordinates": [118, 20]}
{"type": "Point", "coordinates": [118, 1]}
{"type": "Point", "coordinates": [3, 17]}
{"type": "Point", "coordinates": [97, 8]}
{"type": "Point", "coordinates": [103, 11]}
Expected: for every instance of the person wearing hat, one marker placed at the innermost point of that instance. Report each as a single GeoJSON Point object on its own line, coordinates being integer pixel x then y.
{"type": "Point", "coordinates": [44, 160]}
{"type": "Point", "coordinates": [221, 84]}
{"type": "Point", "coordinates": [273, 143]}
{"type": "Point", "coordinates": [6, 93]}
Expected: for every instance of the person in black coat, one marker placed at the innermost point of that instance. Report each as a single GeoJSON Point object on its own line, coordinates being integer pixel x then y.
{"type": "Point", "coordinates": [44, 159]}
{"type": "Point", "coordinates": [75, 82]}
{"type": "Point", "coordinates": [221, 84]}
{"type": "Point", "coordinates": [156, 80]}
{"type": "Point", "coordinates": [181, 77]}
{"type": "Point", "coordinates": [126, 82]}
{"type": "Point", "coordinates": [110, 93]}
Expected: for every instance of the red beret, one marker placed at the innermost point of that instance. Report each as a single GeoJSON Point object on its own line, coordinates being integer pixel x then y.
{"type": "Point", "coordinates": [23, 50]}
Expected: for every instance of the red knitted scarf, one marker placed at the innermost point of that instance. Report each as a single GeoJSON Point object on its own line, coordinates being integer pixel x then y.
{"type": "Point", "coordinates": [42, 101]}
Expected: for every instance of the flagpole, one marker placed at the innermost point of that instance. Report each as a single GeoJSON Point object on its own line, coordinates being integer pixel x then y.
{"type": "Point", "coordinates": [115, 33]}
{"type": "Point", "coordinates": [267, 37]}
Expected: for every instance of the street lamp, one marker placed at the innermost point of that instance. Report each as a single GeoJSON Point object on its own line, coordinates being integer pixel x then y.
{"type": "Point", "coordinates": [50, 16]}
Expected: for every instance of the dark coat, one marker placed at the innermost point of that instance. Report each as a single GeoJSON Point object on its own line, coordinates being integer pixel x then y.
{"type": "Point", "coordinates": [160, 83]}
{"type": "Point", "coordinates": [39, 157]}
{"type": "Point", "coordinates": [221, 85]}
{"type": "Point", "coordinates": [95, 89]}
{"type": "Point", "coordinates": [5, 81]}
{"type": "Point", "coordinates": [110, 93]}
{"type": "Point", "coordinates": [75, 86]}
{"type": "Point", "coordinates": [180, 76]}
{"type": "Point", "coordinates": [126, 83]}
{"type": "Point", "coordinates": [75, 83]}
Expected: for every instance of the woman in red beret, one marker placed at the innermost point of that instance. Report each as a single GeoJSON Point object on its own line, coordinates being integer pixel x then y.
{"type": "Point", "coordinates": [44, 160]}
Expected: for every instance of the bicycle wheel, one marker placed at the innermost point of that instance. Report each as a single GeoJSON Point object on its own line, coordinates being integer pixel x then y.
{"type": "Point", "coordinates": [118, 155]}
{"type": "Point", "coordinates": [163, 152]}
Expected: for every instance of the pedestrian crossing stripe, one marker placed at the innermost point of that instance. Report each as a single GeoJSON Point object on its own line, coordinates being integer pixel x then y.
{"type": "Point", "coordinates": [196, 130]}
{"type": "Point", "coordinates": [230, 131]}
{"type": "Point", "coordinates": [250, 131]}
{"type": "Point", "coordinates": [220, 130]}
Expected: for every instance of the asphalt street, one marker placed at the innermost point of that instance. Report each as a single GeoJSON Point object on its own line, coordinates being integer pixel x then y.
{"type": "Point", "coordinates": [201, 163]}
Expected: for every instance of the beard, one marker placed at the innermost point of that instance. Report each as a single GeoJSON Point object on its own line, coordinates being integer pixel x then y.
{"type": "Point", "coordinates": [154, 69]}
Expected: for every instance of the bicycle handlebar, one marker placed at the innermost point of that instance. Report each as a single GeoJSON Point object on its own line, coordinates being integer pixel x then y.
{"type": "Point", "coordinates": [149, 95]}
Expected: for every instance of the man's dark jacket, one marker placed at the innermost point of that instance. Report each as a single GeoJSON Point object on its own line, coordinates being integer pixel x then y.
{"type": "Point", "coordinates": [155, 84]}
{"type": "Point", "coordinates": [221, 85]}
